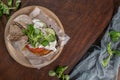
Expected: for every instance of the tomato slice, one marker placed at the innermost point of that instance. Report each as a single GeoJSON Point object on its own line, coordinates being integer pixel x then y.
{"type": "Point", "coordinates": [39, 51]}
{"type": "Point", "coordinates": [34, 50]}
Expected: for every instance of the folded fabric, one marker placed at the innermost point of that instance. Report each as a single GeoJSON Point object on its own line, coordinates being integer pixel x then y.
{"type": "Point", "coordinates": [91, 68]}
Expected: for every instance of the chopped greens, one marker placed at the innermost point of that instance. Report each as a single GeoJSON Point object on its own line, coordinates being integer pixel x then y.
{"type": "Point", "coordinates": [50, 37]}
{"type": "Point", "coordinates": [51, 34]}
{"type": "Point", "coordinates": [45, 43]}
{"type": "Point", "coordinates": [36, 36]}
{"type": "Point", "coordinates": [59, 72]}
{"type": "Point", "coordinates": [49, 30]}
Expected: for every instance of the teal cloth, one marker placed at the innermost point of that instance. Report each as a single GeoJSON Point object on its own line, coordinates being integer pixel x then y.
{"type": "Point", "coordinates": [90, 68]}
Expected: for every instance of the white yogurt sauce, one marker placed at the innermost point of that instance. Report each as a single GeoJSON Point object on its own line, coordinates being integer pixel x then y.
{"type": "Point", "coordinates": [51, 46]}
{"type": "Point", "coordinates": [38, 23]}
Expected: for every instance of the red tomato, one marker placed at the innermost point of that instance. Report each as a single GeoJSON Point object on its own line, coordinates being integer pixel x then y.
{"type": "Point", "coordinates": [34, 50]}
{"type": "Point", "coordinates": [39, 51]}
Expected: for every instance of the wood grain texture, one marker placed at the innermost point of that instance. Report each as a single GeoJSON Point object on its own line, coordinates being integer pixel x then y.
{"type": "Point", "coordinates": [83, 21]}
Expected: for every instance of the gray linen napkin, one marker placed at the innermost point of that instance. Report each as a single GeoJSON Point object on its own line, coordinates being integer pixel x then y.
{"type": "Point", "coordinates": [90, 68]}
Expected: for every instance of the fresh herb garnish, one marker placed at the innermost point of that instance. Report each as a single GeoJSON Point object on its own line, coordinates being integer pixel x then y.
{"type": "Point", "coordinates": [45, 43]}
{"type": "Point", "coordinates": [33, 34]}
{"type": "Point", "coordinates": [116, 52]}
{"type": "Point", "coordinates": [114, 35]}
{"type": "Point", "coordinates": [50, 37]}
{"type": "Point", "coordinates": [5, 9]}
{"type": "Point", "coordinates": [106, 60]}
{"type": "Point", "coordinates": [36, 36]}
{"type": "Point", "coordinates": [17, 4]}
{"type": "Point", "coordinates": [59, 72]}
{"type": "Point", "coordinates": [10, 2]}
{"type": "Point", "coordinates": [52, 73]}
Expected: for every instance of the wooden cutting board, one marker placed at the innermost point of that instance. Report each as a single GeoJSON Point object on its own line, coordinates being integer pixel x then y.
{"type": "Point", "coordinates": [83, 21]}
{"type": "Point", "coordinates": [16, 54]}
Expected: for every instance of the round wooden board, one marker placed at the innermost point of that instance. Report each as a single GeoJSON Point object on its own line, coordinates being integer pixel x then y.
{"type": "Point", "coordinates": [17, 55]}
